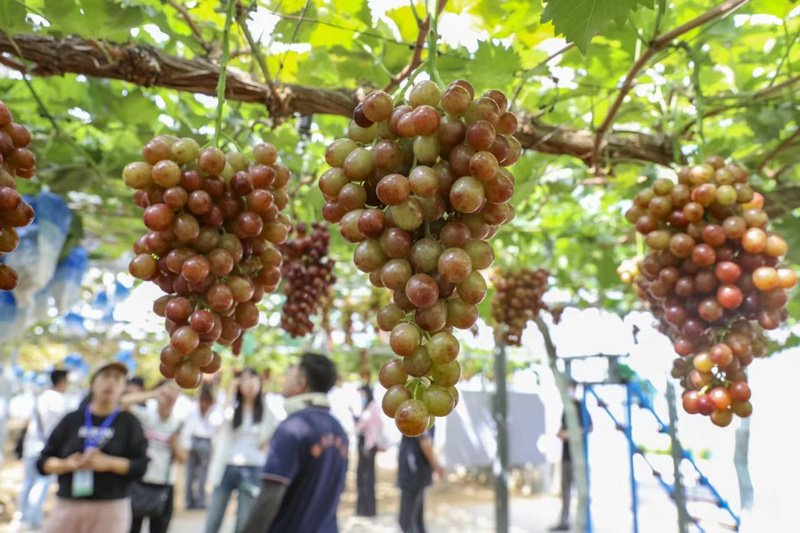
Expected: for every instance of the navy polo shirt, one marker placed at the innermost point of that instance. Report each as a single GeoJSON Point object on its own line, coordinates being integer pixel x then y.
{"type": "Point", "coordinates": [308, 453]}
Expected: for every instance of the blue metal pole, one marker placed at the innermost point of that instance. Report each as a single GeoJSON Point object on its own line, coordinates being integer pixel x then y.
{"type": "Point", "coordinates": [632, 453]}
{"type": "Point", "coordinates": [584, 418]}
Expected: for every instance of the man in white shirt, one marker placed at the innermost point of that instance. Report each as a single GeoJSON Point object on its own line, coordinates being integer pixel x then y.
{"type": "Point", "coordinates": [48, 410]}
{"type": "Point", "coordinates": [197, 434]}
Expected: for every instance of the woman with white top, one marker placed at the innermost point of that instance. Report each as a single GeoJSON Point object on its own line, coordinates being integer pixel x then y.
{"type": "Point", "coordinates": [369, 428]}
{"type": "Point", "coordinates": [240, 450]}
{"type": "Point", "coordinates": [164, 449]}
{"type": "Point", "coordinates": [197, 434]}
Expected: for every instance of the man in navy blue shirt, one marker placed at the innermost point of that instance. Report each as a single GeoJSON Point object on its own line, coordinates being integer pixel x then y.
{"type": "Point", "coordinates": [307, 460]}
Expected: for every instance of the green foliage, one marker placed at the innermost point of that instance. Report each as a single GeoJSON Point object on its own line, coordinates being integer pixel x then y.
{"type": "Point", "coordinates": [567, 221]}
{"type": "Point", "coordinates": [580, 20]}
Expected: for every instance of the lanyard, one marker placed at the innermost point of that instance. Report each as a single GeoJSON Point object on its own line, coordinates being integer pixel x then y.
{"type": "Point", "coordinates": [93, 443]}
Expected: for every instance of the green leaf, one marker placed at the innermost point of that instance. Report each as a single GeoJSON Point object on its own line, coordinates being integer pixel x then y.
{"type": "Point", "coordinates": [491, 64]}
{"type": "Point", "coordinates": [12, 17]}
{"type": "Point", "coordinates": [580, 20]}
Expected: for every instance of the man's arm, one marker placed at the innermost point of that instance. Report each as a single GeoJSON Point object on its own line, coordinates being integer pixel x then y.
{"type": "Point", "coordinates": [426, 445]}
{"type": "Point", "coordinates": [266, 507]}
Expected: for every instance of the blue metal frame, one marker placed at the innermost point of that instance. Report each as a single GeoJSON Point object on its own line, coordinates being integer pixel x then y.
{"type": "Point", "coordinates": [635, 392]}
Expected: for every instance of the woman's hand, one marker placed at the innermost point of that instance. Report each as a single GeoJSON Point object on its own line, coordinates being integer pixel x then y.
{"type": "Point", "coordinates": [94, 459]}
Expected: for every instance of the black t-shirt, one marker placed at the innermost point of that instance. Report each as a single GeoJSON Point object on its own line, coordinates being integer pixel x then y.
{"type": "Point", "coordinates": [414, 472]}
{"type": "Point", "coordinates": [124, 438]}
{"type": "Point", "coordinates": [586, 423]}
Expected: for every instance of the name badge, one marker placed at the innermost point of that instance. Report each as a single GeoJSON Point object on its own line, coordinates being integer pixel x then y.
{"type": "Point", "coordinates": [82, 483]}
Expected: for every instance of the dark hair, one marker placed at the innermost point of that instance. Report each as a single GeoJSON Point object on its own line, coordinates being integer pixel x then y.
{"type": "Point", "coordinates": [207, 393]}
{"type": "Point", "coordinates": [137, 381]}
{"type": "Point", "coordinates": [319, 371]}
{"type": "Point", "coordinates": [367, 390]}
{"type": "Point", "coordinates": [258, 405]}
{"type": "Point", "coordinates": [57, 377]}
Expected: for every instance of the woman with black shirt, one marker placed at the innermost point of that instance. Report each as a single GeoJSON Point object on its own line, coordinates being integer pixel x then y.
{"type": "Point", "coordinates": [97, 452]}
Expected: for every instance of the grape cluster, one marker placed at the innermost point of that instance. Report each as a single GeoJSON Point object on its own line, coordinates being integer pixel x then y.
{"type": "Point", "coordinates": [213, 220]}
{"type": "Point", "coordinates": [421, 187]}
{"type": "Point", "coordinates": [713, 280]}
{"type": "Point", "coordinates": [518, 300]}
{"type": "Point", "coordinates": [307, 275]}
{"type": "Point", "coordinates": [16, 161]}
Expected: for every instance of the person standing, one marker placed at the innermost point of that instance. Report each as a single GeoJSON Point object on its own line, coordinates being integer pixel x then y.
{"type": "Point", "coordinates": [197, 434]}
{"type": "Point", "coordinates": [48, 410]}
{"type": "Point", "coordinates": [153, 497]}
{"type": "Point", "coordinates": [566, 457]}
{"type": "Point", "coordinates": [416, 464]}
{"type": "Point", "coordinates": [97, 452]}
{"type": "Point", "coordinates": [369, 428]}
{"type": "Point", "coordinates": [239, 450]}
{"type": "Point", "coordinates": [304, 475]}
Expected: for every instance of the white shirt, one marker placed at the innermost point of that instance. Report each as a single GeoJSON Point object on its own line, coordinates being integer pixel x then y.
{"type": "Point", "coordinates": [49, 408]}
{"type": "Point", "coordinates": [159, 432]}
{"type": "Point", "coordinates": [198, 425]}
{"type": "Point", "coordinates": [246, 445]}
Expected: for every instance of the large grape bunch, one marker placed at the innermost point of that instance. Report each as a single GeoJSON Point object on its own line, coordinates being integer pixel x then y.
{"type": "Point", "coordinates": [214, 220]}
{"type": "Point", "coordinates": [518, 300]}
{"type": "Point", "coordinates": [307, 276]}
{"type": "Point", "coordinates": [16, 161]}
{"type": "Point", "coordinates": [714, 280]}
{"type": "Point", "coordinates": [420, 188]}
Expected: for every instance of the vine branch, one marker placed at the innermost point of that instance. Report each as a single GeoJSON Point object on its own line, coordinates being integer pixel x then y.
{"type": "Point", "coordinates": [416, 57]}
{"type": "Point", "coordinates": [536, 67]}
{"type": "Point", "coordinates": [192, 25]}
{"type": "Point", "coordinates": [744, 102]}
{"type": "Point", "coordinates": [658, 44]}
{"type": "Point", "coordinates": [147, 66]}
{"type": "Point", "coordinates": [255, 49]}
{"type": "Point", "coordinates": [784, 144]}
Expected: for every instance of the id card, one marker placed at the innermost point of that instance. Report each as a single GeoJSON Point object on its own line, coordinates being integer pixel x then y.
{"type": "Point", "coordinates": [82, 483]}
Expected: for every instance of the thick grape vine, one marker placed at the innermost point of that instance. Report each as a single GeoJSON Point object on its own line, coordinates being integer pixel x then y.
{"type": "Point", "coordinates": [307, 277]}
{"type": "Point", "coordinates": [16, 161]}
{"type": "Point", "coordinates": [420, 187]}
{"type": "Point", "coordinates": [518, 300]}
{"type": "Point", "coordinates": [214, 220]}
{"type": "Point", "coordinates": [713, 279]}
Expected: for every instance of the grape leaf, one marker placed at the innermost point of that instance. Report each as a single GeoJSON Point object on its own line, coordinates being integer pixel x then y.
{"type": "Point", "coordinates": [12, 17]}
{"type": "Point", "coordinates": [580, 20]}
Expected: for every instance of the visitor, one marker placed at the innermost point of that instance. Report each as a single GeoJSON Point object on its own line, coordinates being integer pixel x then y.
{"type": "Point", "coordinates": [416, 465]}
{"type": "Point", "coordinates": [305, 472]}
{"type": "Point", "coordinates": [239, 450]}
{"type": "Point", "coordinates": [97, 452]}
{"type": "Point", "coordinates": [566, 457]}
{"type": "Point", "coordinates": [135, 385]}
{"type": "Point", "coordinates": [153, 496]}
{"type": "Point", "coordinates": [47, 411]}
{"type": "Point", "coordinates": [198, 431]}
{"type": "Point", "coordinates": [369, 428]}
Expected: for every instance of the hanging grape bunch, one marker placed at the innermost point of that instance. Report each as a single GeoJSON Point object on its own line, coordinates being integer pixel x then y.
{"type": "Point", "coordinates": [518, 300]}
{"type": "Point", "coordinates": [420, 188]}
{"type": "Point", "coordinates": [714, 280]}
{"type": "Point", "coordinates": [213, 220]}
{"type": "Point", "coordinates": [16, 161]}
{"type": "Point", "coordinates": [307, 275]}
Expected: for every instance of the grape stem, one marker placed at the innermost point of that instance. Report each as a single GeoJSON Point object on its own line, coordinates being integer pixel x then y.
{"type": "Point", "coordinates": [433, 39]}
{"type": "Point", "coordinates": [223, 69]}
